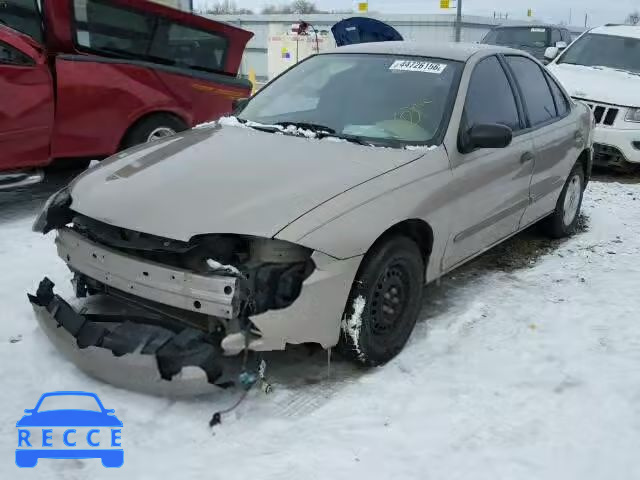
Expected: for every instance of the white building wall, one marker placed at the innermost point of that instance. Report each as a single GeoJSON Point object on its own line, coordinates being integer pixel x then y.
{"type": "Point", "coordinates": [420, 28]}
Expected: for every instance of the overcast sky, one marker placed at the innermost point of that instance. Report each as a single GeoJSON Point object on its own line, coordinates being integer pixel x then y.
{"type": "Point", "coordinates": [599, 11]}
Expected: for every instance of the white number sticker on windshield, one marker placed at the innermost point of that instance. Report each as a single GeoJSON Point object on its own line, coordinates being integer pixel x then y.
{"type": "Point", "coordinates": [413, 66]}
{"type": "Point", "coordinates": [538, 30]}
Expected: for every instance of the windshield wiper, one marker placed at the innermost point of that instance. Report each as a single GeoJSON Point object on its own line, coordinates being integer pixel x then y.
{"type": "Point", "coordinates": [369, 141]}
{"type": "Point", "coordinates": [259, 126]}
{"type": "Point", "coordinates": [314, 127]}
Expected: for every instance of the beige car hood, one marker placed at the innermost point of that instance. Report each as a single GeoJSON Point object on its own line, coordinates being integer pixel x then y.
{"type": "Point", "coordinates": [229, 179]}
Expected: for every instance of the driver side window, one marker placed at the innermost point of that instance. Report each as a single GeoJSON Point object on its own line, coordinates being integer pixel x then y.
{"type": "Point", "coordinates": [490, 97]}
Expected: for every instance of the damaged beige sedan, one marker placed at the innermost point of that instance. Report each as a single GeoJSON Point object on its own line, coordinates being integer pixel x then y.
{"type": "Point", "coordinates": [316, 214]}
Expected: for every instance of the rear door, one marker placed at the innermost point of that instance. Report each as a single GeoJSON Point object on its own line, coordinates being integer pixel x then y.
{"type": "Point", "coordinates": [556, 137]}
{"type": "Point", "coordinates": [26, 103]}
{"type": "Point", "coordinates": [492, 184]}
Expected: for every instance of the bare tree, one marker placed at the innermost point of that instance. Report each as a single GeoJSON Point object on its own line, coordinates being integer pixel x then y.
{"type": "Point", "coordinates": [304, 6]}
{"type": "Point", "coordinates": [224, 7]}
{"type": "Point", "coordinates": [296, 6]}
{"type": "Point", "coordinates": [633, 18]}
{"type": "Point", "coordinates": [275, 9]}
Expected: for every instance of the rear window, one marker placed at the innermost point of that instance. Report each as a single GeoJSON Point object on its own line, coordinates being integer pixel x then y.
{"type": "Point", "coordinates": [107, 29]}
{"type": "Point", "coordinates": [532, 37]}
{"type": "Point", "coordinates": [22, 15]}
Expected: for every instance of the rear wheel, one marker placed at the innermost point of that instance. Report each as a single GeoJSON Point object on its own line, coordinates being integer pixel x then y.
{"type": "Point", "coordinates": [384, 302]}
{"type": "Point", "coordinates": [153, 128]}
{"type": "Point", "coordinates": [564, 219]}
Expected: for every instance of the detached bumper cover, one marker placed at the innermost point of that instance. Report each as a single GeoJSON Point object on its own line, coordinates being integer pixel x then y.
{"type": "Point", "coordinates": [140, 356]}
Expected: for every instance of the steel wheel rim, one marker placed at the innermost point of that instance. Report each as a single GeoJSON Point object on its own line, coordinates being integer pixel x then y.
{"type": "Point", "coordinates": [572, 200]}
{"type": "Point", "coordinates": [159, 133]}
{"type": "Point", "coordinates": [389, 300]}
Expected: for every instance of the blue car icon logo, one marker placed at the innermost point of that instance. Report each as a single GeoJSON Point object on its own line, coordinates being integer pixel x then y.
{"type": "Point", "coordinates": [69, 425]}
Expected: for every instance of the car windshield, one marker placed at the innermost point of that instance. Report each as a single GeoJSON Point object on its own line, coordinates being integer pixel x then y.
{"type": "Point", "coordinates": [596, 50]}
{"type": "Point", "coordinates": [380, 99]}
{"type": "Point", "coordinates": [69, 402]}
{"type": "Point", "coordinates": [534, 37]}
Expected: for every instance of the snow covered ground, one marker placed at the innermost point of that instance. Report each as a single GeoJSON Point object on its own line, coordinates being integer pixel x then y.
{"type": "Point", "coordinates": [525, 366]}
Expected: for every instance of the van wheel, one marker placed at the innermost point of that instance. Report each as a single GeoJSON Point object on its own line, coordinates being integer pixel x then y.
{"type": "Point", "coordinates": [153, 128]}
{"type": "Point", "coordinates": [564, 219]}
{"type": "Point", "coordinates": [384, 302]}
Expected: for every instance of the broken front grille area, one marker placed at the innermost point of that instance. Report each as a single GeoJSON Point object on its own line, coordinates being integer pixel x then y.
{"type": "Point", "coordinates": [604, 114]}
{"type": "Point", "coordinates": [191, 255]}
{"type": "Point", "coordinates": [268, 273]}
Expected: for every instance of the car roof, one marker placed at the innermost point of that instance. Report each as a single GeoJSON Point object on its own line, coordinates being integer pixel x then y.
{"type": "Point", "coordinates": [447, 50]}
{"type": "Point", "coordinates": [632, 31]}
{"type": "Point", "coordinates": [529, 24]}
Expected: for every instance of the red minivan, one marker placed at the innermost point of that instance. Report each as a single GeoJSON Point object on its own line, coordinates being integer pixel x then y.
{"type": "Point", "coordinates": [83, 79]}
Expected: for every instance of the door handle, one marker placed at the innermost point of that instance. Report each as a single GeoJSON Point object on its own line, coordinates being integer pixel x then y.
{"type": "Point", "coordinates": [526, 157]}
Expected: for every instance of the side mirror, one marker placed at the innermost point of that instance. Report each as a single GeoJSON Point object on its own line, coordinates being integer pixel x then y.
{"type": "Point", "coordinates": [551, 53]}
{"type": "Point", "coordinates": [491, 135]}
{"type": "Point", "coordinates": [561, 45]}
{"type": "Point", "coordinates": [239, 103]}
{"type": "Point", "coordinates": [28, 410]}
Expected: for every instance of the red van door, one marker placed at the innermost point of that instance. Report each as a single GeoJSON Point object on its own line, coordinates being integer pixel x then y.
{"type": "Point", "coordinates": [27, 103]}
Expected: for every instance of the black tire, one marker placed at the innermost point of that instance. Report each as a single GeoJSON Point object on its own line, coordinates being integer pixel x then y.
{"type": "Point", "coordinates": [383, 327]}
{"type": "Point", "coordinates": [142, 131]}
{"type": "Point", "coordinates": [561, 224]}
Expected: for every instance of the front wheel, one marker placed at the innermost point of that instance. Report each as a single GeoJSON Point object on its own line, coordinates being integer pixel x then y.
{"type": "Point", "coordinates": [384, 302]}
{"type": "Point", "coordinates": [564, 219]}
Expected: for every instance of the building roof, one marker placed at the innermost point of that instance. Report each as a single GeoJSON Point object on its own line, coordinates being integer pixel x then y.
{"type": "Point", "coordinates": [453, 51]}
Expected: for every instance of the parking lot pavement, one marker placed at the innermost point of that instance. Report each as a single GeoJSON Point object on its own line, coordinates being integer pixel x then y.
{"type": "Point", "coordinates": [23, 203]}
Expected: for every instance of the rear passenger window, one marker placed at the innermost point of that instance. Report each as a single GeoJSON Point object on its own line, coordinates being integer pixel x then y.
{"type": "Point", "coordinates": [536, 93]}
{"type": "Point", "coordinates": [104, 27]}
{"type": "Point", "coordinates": [490, 97]}
{"type": "Point", "coordinates": [562, 106]}
{"type": "Point", "coordinates": [22, 15]}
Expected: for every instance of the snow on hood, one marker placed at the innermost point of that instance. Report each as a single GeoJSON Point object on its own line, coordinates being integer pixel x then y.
{"type": "Point", "coordinates": [600, 84]}
{"type": "Point", "coordinates": [225, 180]}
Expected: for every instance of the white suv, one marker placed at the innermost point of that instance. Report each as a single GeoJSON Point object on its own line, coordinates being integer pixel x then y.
{"type": "Point", "coordinates": [602, 68]}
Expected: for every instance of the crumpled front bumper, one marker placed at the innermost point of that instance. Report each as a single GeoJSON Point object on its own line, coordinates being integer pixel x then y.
{"type": "Point", "coordinates": [139, 355]}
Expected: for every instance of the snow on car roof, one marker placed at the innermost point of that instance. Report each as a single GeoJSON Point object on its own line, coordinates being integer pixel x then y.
{"type": "Point", "coordinates": [448, 50]}
{"type": "Point", "coordinates": [632, 31]}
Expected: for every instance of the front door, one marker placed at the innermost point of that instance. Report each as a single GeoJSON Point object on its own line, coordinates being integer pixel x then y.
{"type": "Point", "coordinates": [492, 184]}
{"type": "Point", "coordinates": [26, 97]}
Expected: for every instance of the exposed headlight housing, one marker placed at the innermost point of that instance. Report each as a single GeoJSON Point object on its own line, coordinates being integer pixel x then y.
{"type": "Point", "coordinates": [633, 115]}
{"type": "Point", "coordinates": [55, 213]}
